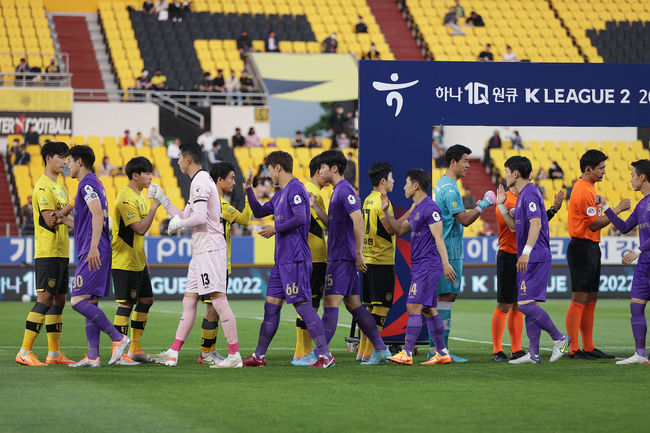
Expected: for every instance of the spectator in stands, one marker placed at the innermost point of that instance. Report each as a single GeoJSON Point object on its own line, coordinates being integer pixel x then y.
{"type": "Point", "coordinates": [451, 20]}
{"type": "Point", "coordinates": [468, 199]}
{"type": "Point", "coordinates": [52, 69]}
{"type": "Point", "coordinates": [435, 145]}
{"type": "Point", "coordinates": [155, 139]}
{"type": "Point", "coordinates": [350, 172]}
{"type": "Point", "coordinates": [162, 9]}
{"type": "Point", "coordinates": [106, 168]}
{"type": "Point", "coordinates": [313, 141]}
{"type": "Point", "coordinates": [214, 155]}
{"type": "Point", "coordinates": [336, 123]}
{"type": "Point", "coordinates": [138, 140]}
{"type": "Point", "coordinates": [15, 147]}
{"type": "Point", "coordinates": [486, 55]}
{"type": "Point", "coordinates": [460, 12]}
{"type": "Point", "coordinates": [22, 156]}
{"type": "Point", "coordinates": [436, 134]}
{"type": "Point", "coordinates": [233, 86]}
{"type": "Point", "coordinates": [252, 139]}
{"type": "Point", "coordinates": [372, 54]}
{"type": "Point", "coordinates": [474, 20]}
{"type": "Point", "coordinates": [238, 140]}
{"type": "Point", "coordinates": [541, 174]}
{"type": "Point", "coordinates": [159, 81]}
{"type": "Point", "coordinates": [298, 141]}
{"type": "Point", "coordinates": [174, 151]}
{"type": "Point", "coordinates": [176, 11]}
{"type": "Point", "coordinates": [495, 141]}
{"type": "Point", "coordinates": [22, 67]}
{"type": "Point", "coordinates": [516, 141]}
{"type": "Point", "coordinates": [27, 218]}
{"type": "Point", "coordinates": [509, 55]}
{"type": "Point", "coordinates": [206, 83]}
{"type": "Point", "coordinates": [555, 171]}
{"type": "Point", "coordinates": [206, 140]}
{"type": "Point", "coordinates": [127, 140]}
{"type": "Point", "coordinates": [148, 7]}
{"type": "Point", "coordinates": [539, 186]}
{"type": "Point", "coordinates": [330, 45]}
{"type": "Point", "coordinates": [244, 44]}
{"type": "Point", "coordinates": [569, 189]}
{"type": "Point", "coordinates": [219, 82]}
{"type": "Point", "coordinates": [31, 137]}
{"type": "Point", "coordinates": [441, 160]}
{"type": "Point", "coordinates": [361, 27]}
{"type": "Point", "coordinates": [342, 141]}
{"type": "Point", "coordinates": [143, 82]}
{"type": "Point", "coordinates": [246, 84]}
{"type": "Point", "coordinates": [271, 44]}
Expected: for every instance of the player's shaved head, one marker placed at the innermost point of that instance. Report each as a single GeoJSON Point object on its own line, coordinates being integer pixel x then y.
{"type": "Point", "coordinates": [283, 159]}
{"type": "Point", "coordinates": [138, 165]}
{"type": "Point", "coordinates": [456, 152]}
{"type": "Point", "coordinates": [378, 171]}
{"type": "Point", "coordinates": [85, 154]}
{"type": "Point", "coordinates": [52, 148]}
{"type": "Point", "coordinates": [334, 158]}
{"type": "Point", "coordinates": [221, 170]}
{"type": "Point", "coordinates": [194, 150]}
{"type": "Point", "coordinates": [520, 164]}
{"type": "Point", "coordinates": [592, 158]}
{"type": "Point", "coordinates": [642, 166]}
{"type": "Point", "coordinates": [421, 177]}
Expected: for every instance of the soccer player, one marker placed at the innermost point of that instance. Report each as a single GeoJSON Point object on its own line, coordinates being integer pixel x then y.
{"type": "Point", "coordinates": [92, 279]}
{"type": "Point", "coordinates": [454, 219]}
{"type": "Point", "coordinates": [533, 259]}
{"type": "Point", "coordinates": [223, 174]}
{"type": "Point", "coordinates": [290, 277]}
{"type": "Point", "coordinates": [130, 272]}
{"type": "Point", "coordinates": [345, 257]}
{"type": "Point", "coordinates": [640, 292]}
{"type": "Point", "coordinates": [429, 261]}
{"type": "Point", "coordinates": [583, 255]}
{"type": "Point", "coordinates": [51, 259]}
{"type": "Point", "coordinates": [507, 279]}
{"type": "Point", "coordinates": [207, 272]}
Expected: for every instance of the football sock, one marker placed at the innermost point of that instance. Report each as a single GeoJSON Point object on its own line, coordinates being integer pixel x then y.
{"type": "Point", "coordinates": [444, 309]}
{"type": "Point", "coordinates": [363, 343]}
{"type": "Point", "coordinates": [515, 328]}
{"type": "Point", "coordinates": [587, 327]}
{"type": "Point", "coordinates": [573, 320]}
{"type": "Point", "coordinates": [92, 335]}
{"type": "Point", "coordinates": [534, 332]}
{"type": "Point", "coordinates": [498, 325]}
{"type": "Point", "coordinates": [228, 323]}
{"type": "Point", "coordinates": [186, 322]}
{"type": "Point", "coordinates": [639, 327]}
{"type": "Point", "coordinates": [541, 319]}
{"type": "Point", "coordinates": [413, 329]}
{"type": "Point", "coordinates": [98, 318]}
{"type": "Point", "coordinates": [53, 326]}
{"type": "Point", "coordinates": [330, 320]}
{"type": "Point", "coordinates": [121, 320]}
{"type": "Point", "coordinates": [379, 313]}
{"type": "Point", "coordinates": [368, 326]}
{"type": "Point", "coordinates": [306, 338]}
{"type": "Point", "coordinates": [315, 328]}
{"type": "Point", "coordinates": [301, 329]}
{"type": "Point", "coordinates": [138, 322]}
{"type": "Point", "coordinates": [268, 328]}
{"type": "Point", "coordinates": [208, 335]}
{"type": "Point", "coordinates": [33, 326]}
{"type": "Point", "coordinates": [436, 329]}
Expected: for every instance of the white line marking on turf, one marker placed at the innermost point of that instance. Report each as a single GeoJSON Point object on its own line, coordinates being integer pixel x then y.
{"type": "Point", "coordinates": [343, 325]}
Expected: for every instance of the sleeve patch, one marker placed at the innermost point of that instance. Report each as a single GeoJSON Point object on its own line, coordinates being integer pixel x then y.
{"type": "Point", "coordinates": [532, 206]}
{"type": "Point", "coordinates": [352, 199]}
{"type": "Point", "coordinates": [90, 194]}
{"type": "Point", "coordinates": [436, 216]}
{"type": "Point", "coordinates": [591, 211]}
{"type": "Point", "coordinates": [297, 199]}
{"type": "Point", "coordinates": [198, 191]}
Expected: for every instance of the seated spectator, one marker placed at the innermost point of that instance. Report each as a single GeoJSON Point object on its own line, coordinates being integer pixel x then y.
{"type": "Point", "coordinates": [460, 12]}
{"type": "Point", "coordinates": [27, 218]}
{"type": "Point", "coordinates": [540, 187]}
{"type": "Point", "coordinates": [106, 168]}
{"type": "Point", "coordinates": [219, 82]}
{"type": "Point", "coordinates": [441, 160]}
{"type": "Point", "coordinates": [516, 141]}
{"type": "Point", "coordinates": [495, 141]}
{"type": "Point", "coordinates": [174, 151]}
{"type": "Point", "coordinates": [31, 137]}
{"type": "Point", "coordinates": [159, 81]}
{"type": "Point", "coordinates": [361, 27]}
{"type": "Point", "coordinates": [52, 69]}
{"type": "Point", "coordinates": [14, 148]}
{"type": "Point", "coordinates": [22, 67]}
{"type": "Point", "coordinates": [176, 11]}
{"type": "Point", "coordinates": [469, 202]}
{"type": "Point", "coordinates": [138, 140]}
{"type": "Point", "coordinates": [555, 171]}
{"type": "Point", "coordinates": [252, 139]}
{"type": "Point", "coordinates": [350, 172]}
{"type": "Point", "coordinates": [127, 140]}
{"type": "Point", "coordinates": [372, 54]}
{"type": "Point", "coordinates": [246, 84]}
{"type": "Point", "coordinates": [238, 140]}
{"type": "Point", "coordinates": [162, 9]}
{"type": "Point", "coordinates": [298, 141]}
{"type": "Point", "coordinates": [451, 20]}
{"type": "Point", "coordinates": [142, 82]}
{"type": "Point", "coordinates": [342, 141]}
{"type": "Point", "coordinates": [22, 156]}
{"type": "Point", "coordinates": [509, 55]}
{"type": "Point", "coordinates": [233, 86]}
{"type": "Point", "coordinates": [148, 7]}
{"type": "Point", "coordinates": [155, 139]}
{"type": "Point", "coordinates": [271, 44]}
{"type": "Point", "coordinates": [486, 55]}
{"type": "Point", "coordinates": [244, 44]}
{"type": "Point", "coordinates": [474, 20]}
{"type": "Point", "coordinates": [214, 155]}
{"type": "Point", "coordinates": [313, 141]}
{"type": "Point", "coordinates": [206, 83]}
{"type": "Point", "coordinates": [330, 45]}
{"type": "Point", "coordinates": [541, 175]}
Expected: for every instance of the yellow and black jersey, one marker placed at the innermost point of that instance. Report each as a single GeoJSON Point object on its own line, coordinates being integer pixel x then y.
{"type": "Point", "coordinates": [229, 215]}
{"type": "Point", "coordinates": [316, 240]}
{"type": "Point", "coordinates": [378, 245]}
{"type": "Point", "coordinates": [128, 246]}
{"type": "Point", "coordinates": [50, 241]}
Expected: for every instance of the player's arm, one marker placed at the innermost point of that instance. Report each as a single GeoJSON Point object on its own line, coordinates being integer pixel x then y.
{"type": "Point", "coordinates": [244, 217]}
{"type": "Point", "coordinates": [142, 226]}
{"type": "Point", "coordinates": [448, 269]}
{"type": "Point", "coordinates": [298, 218]}
{"type": "Point", "coordinates": [503, 210]}
{"type": "Point", "coordinates": [399, 227]}
{"type": "Point", "coordinates": [259, 210]}
{"type": "Point", "coordinates": [156, 193]}
{"type": "Point", "coordinates": [358, 226]}
{"type": "Point", "coordinates": [67, 208]}
{"type": "Point", "coordinates": [557, 205]}
{"type": "Point", "coordinates": [533, 233]}
{"type": "Point", "coordinates": [95, 208]}
{"type": "Point", "coordinates": [320, 212]}
{"type": "Point", "coordinates": [603, 221]}
{"type": "Point", "coordinates": [622, 226]}
{"type": "Point", "coordinates": [466, 218]}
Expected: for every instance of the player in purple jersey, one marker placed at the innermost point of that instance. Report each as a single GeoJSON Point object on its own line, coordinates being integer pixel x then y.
{"type": "Point", "coordinates": [640, 292]}
{"type": "Point", "coordinates": [533, 259]}
{"type": "Point", "coordinates": [92, 278]}
{"type": "Point", "coordinates": [429, 261]}
{"type": "Point", "coordinates": [345, 257]}
{"type": "Point", "coordinates": [290, 276]}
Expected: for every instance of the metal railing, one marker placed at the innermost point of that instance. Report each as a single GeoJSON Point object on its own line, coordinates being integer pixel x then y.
{"type": "Point", "coordinates": [35, 79]}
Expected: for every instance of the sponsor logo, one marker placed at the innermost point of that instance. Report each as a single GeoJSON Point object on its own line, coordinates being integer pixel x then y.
{"type": "Point", "coordinates": [51, 282]}
{"type": "Point", "coordinates": [532, 206]}
{"type": "Point", "coordinates": [297, 199]}
{"type": "Point", "coordinates": [436, 216]}
{"type": "Point", "coordinates": [197, 191]}
{"type": "Point", "coordinates": [44, 123]}
{"type": "Point", "coordinates": [591, 211]}
{"type": "Point", "coordinates": [393, 96]}
{"type": "Point", "coordinates": [352, 199]}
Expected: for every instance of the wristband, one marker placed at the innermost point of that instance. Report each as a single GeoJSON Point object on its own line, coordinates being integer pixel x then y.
{"type": "Point", "coordinates": [552, 209]}
{"type": "Point", "coordinates": [527, 250]}
{"type": "Point", "coordinates": [637, 251]}
{"type": "Point", "coordinates": [478, 208]}
{"type": "Point", "coordinates": [605, 207]}
{"type": "Point", "coordinates": [503, 209]}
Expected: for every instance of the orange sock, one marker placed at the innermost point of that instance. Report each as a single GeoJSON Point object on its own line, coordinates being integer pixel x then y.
{"type": "Point", "coordinates": [498, 325]}
{"type": "Point", "coordinates": [516, 328]}
{"type": "Point", "coordinates": [587, 327]}
{"type": "Point", "coordinates": [573, 320]}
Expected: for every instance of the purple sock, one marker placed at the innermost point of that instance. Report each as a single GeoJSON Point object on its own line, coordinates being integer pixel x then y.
{"type": "Point", "coordinates": [413, 329]}
{"type": "Point", "coordinates": [436, 328]}
{"type": "Point", "coordinates": [330, 319]}
{"type": "Point", "coordinates": [541, 318]}
{"type": "Point", "coordinates": [639, 327]}
{"type": "Point", "coordinates": [368, 326]}
{"type": "Point", "coordinates": [92, 335]}
{"type": "Point", "coordinates": [98, 318]}
{"type": "Point", "coordinates": [314, 327]}
{"type": "Point", "coordinates": [534, 332]}
{"type": "Point", "coordinates": [269, 327]}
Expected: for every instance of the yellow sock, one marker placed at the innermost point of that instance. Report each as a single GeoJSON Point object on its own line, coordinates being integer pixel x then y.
{"type": "Point", "coordinates": [363, 341]}
{"type": "Point", "coordinates": [121, 320]}
{"type": "Point", "coordinates": [301, 350]}
{"type": "Point", "coordinates": [208, 335]}
{"type": "Point", "coordinates": [33, 325]}
{"type": "Point", "coordinates": [138, 323]}
{"type": "Point", "coordinates": [53, 326]}
{"type": "Point", "coordinates": [306, 341]}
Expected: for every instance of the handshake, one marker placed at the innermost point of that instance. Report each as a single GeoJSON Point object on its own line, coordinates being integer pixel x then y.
{"type": "Point", "coordinates": [155, 192]}
{"type": "Point", "coordinates": [489, 199]}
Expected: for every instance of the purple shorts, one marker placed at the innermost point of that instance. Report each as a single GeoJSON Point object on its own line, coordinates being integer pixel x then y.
{"type": "Point", "coordinates": [96, 283]}
{"type": "Point", "coordinates": [532, 284]}
{"type": "Point", "coordinates": [423, 287]}
{"type": "Point", "coordinates": [641, 282]}
{"type": "Point", "coordinates": [342, 278]}
{"type": "Point", "coordinates": [291, 282]}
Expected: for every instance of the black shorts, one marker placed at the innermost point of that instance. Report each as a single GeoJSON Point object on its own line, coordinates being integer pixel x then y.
{"type": "Point", "coordinates": [52, 275]}
{"type": "Point", "coordinates": [583, 257]}
{"type": "Point", "coordinates": [506, 277]}
{"type": "Point", "coordinates": [378, 285]}
{"type": "Point", "coordinates": [205, 299]}
{"type": "Point", "coordinates": [318, 273]}
{"type": "Point", "coordinates": [129, 286]}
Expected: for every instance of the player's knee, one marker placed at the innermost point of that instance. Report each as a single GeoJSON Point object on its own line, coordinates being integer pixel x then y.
{"type": "Point", "coordinates": [45, 298]}
{"type": "Point", "coordinates": [504, 307]}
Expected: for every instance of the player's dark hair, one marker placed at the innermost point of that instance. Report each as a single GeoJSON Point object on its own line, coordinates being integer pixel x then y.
{"type": "Point", "coordinates": [138, 165]}
{"type": "Point", "coordinates": [221, 170]}
{"type": "Point", "coordinates": [456, 152]}
{"type": "Point", "coordinates": [192, 149]}
{"type": "Point", "coordinates": [314, 165]}
{"type": "Point", "coordinates": [278, 157]}
{"type": "Point", "coordinates": [54, 148]}
{"type": "Point", "coordinates": [378, 171]}
{"type": "Point", "coordinates": [421, 177]}
{"type": "Point", "coordinates": [334, 158]}
{"type": "Point", "coordinates": [591, 158]}
{"type": "Point", "coordinates": [85, 154]}
{"type": "Point", "coordinates": [642, 166]}
{"type": "Point", "coordinates": [520, 164]}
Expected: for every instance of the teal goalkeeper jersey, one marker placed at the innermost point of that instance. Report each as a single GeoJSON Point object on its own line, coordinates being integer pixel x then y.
{"type": "Point", "coordinates": [447, 196]}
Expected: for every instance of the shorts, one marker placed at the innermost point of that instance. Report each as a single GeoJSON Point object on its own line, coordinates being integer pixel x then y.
{"type": "Point", "coordinates": [506, 277]}
{"type": "Point", "coordinates": [290, 281]}
{"type": "Point", "coordinates": [423, 287]}
{"type": "Point", "coordinates": [318, 272]}
{"type": "Point", "coordinates": [341, 278]}
{"type": "Point", "coordinates": [532, 284]}
{"type": "Point", "coordinates": [207, 273]}
{"type": "Point", "coordinates": [205, 299]}
{"type": "Point", "coordinates": [129, 286]}
{"type": "Point", "coordinates": [378, 285]}
{"type": "Point", "coordinates": [583, 257]}
{"type": "Point", "coordinates": [446, 287]}
{"type": "Point", "coordinates": [641, 282]}
{"type": "Point", "coordinates": [52, 275]}
{"type": "Point", "coordinates": [96, 283]}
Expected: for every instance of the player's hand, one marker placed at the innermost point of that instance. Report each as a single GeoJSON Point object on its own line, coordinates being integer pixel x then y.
{"type": "Point", "coordinates": [249, 180]}
{"type": "Point", "coordinates": [312, 200]}
{"type": "Point", "coordinates": [559, 199]}
{"type": "Point", "coordinates": [489, 199]}
{"type": "Point", "coordinates": [501, 195]}
{"type": "Point", "coordinates": [624, 205]}
{"type": "Point", "coordinates": [156, 193]}
{"type": "Point", "coordinates": [522, 263]}
{"type": "Point", "coordinates": [629, 258]}
{"type": "Point", "coordinates": [174, 224]}
{"type": "Point", "coordinates": [385, 203]}
{"type": "Point", "coordinates": [600, 201]}
{"type": "Point", "coordinates": [267, 231]}
{"type": "Point", "coordinates": [93, 259]}
{"type": "Point", "coordinates": [361, 265]}
{"type": "Point", "coordinates": [450, 274]}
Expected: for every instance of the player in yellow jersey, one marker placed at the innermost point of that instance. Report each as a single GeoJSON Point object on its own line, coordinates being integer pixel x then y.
{"type": "Point", "coordinates": [223, 174]}
{"type": "Point", "coordinates": [130, 272]}
{"type": "Point", "coordinates": [51, 257]}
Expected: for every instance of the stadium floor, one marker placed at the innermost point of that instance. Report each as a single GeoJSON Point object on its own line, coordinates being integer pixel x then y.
{"type": "Point", "coordinates": [476, 396]}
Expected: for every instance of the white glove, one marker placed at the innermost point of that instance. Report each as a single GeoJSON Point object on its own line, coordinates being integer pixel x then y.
{"type": "Point", "coordinates": [155, 192]}
{"type": "Point", "coordinates": [489, 199]}
{"type": "Point", "coordinates": [174, 224]}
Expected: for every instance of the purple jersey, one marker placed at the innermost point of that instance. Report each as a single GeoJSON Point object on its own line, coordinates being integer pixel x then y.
{"type": "Point", "coordinates": [424, 252]}
{"type": "Point", "coordinates": [530, 204]}
{"type": "Point", "coordinates": [90, 188]}
{"type": "Point", "coordinates": [641, 217]}
{"type": "Point", "coordinates": [340, 237]}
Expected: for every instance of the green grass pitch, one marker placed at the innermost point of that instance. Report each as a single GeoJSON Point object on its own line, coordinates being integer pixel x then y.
{"type": "Point", "coordinates": [479, 396]}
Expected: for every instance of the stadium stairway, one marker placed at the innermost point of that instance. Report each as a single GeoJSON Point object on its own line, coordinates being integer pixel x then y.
{"type": "Point", "coordinates": [478, 181]}
{"type": "Point", "coordinates": [397, 33]}
{"type": "Point", "coordinates": [7, 215]}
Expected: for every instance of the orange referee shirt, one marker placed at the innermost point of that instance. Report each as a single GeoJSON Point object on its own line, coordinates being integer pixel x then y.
{"type": "Point", "coordinates": [583, 211]}
{"type": "Point", "coordinates": [507, 238]}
